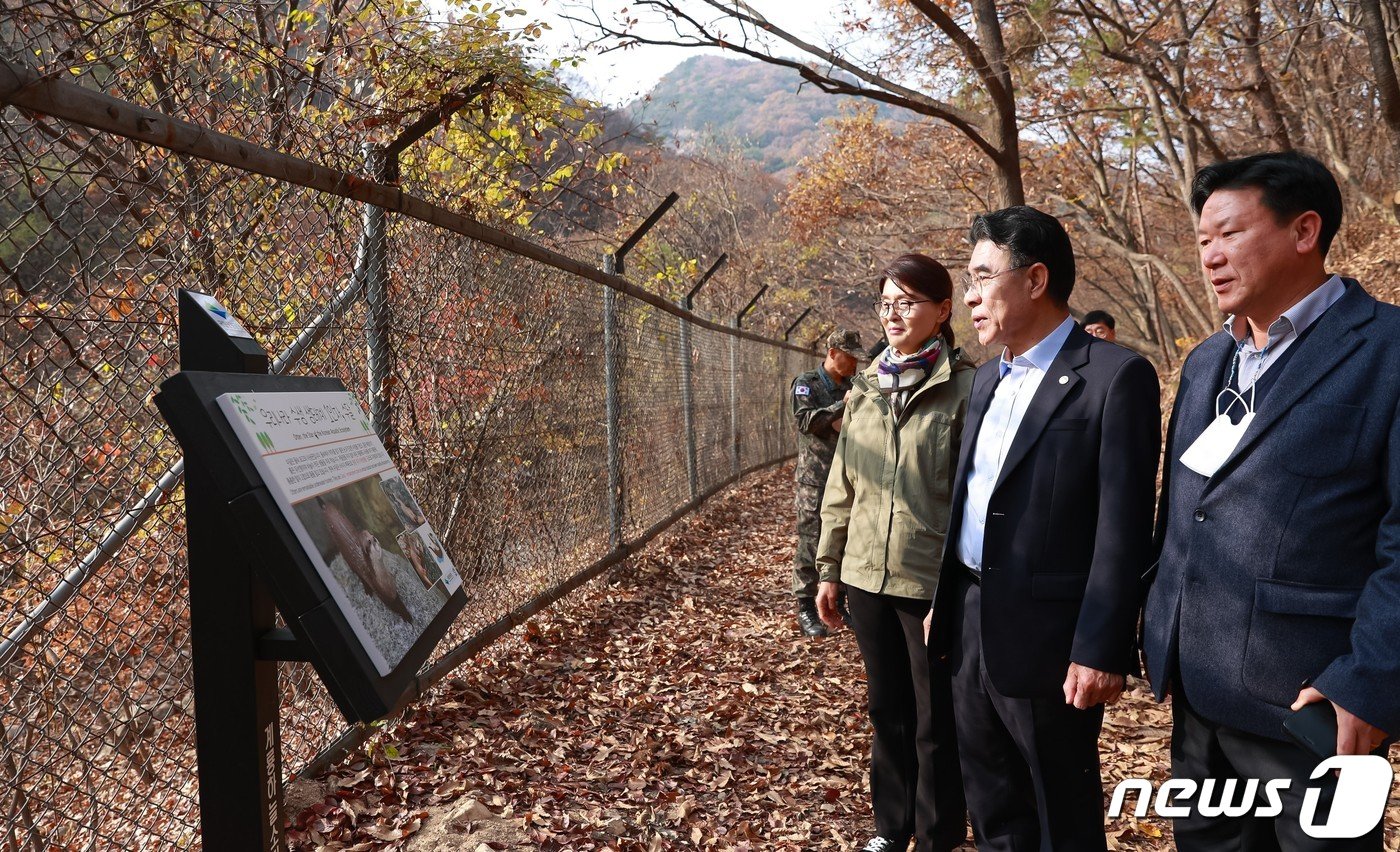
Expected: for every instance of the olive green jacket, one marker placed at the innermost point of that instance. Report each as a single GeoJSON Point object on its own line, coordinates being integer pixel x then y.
{"type": "Point", "coordinates": [885, 512]}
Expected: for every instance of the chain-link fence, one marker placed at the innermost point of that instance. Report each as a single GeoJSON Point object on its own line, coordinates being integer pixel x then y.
{"type": "Point", "coordinates": [494, 365]}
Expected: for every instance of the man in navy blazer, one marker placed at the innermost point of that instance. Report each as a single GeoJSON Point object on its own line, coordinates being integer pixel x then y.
{"type": "Point", "coordinates": [1278, 579]}
{"type": "Point", "coordinates": [1050, 532]}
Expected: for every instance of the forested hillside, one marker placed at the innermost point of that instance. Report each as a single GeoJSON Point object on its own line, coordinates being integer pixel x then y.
{"type": "Point", "coordinates": [764, 111]}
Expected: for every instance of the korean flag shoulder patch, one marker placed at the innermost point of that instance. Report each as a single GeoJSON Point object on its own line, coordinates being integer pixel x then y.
{"type": "Point", "coordinates": [802, 390]}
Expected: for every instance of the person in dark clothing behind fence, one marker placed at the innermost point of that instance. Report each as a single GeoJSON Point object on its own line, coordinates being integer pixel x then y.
{"type": "Point", "coordinates": [818, 404]}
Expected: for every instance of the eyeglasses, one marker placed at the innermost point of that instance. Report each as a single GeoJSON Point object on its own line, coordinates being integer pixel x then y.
{"type": "Point", "coordinates": [974, 283]}
{"type": "Point", "coordinates": [903, 307]}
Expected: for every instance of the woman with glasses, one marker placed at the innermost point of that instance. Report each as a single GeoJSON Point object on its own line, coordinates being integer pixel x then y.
{"type": "Point", "coordinates": [884, 519]}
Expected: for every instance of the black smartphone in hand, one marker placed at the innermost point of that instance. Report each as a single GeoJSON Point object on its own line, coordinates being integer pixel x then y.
{"type": "Point", "coordinates": [1314, 728]}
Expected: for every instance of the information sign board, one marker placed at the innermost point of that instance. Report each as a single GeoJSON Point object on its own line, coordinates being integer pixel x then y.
{"type": "Point", "coordinates": [327, 471]}
{"type": "Point", "coordinates": [308, 495]}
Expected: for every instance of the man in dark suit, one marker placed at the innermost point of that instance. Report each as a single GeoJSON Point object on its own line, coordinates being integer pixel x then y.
{"type": "Point", "coordinates": [1050, 533]}
{"type": "Point", "coordinates": [1278, 579]}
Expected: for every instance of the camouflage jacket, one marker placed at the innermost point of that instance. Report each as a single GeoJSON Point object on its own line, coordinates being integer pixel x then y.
{"type": "Point", "coordinates": [817, 401]}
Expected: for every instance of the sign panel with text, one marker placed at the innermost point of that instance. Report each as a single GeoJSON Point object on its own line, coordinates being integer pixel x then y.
{"type": "Point", "coordinates": [327, 471]}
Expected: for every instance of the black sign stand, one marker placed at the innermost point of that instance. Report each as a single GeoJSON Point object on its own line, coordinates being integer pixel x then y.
{"type": "Point", "coordinates": [235, 689]}
{"type": "Point", "coordinates": [246, 565]}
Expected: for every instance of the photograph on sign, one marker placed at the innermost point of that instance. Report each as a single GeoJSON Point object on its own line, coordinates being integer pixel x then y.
{"type": "Point", "coordinates": [352, 512]}
{"type": "Point", "coordinates": [411, 546]}
{"type": "Point", "coordinates": [404, 504]}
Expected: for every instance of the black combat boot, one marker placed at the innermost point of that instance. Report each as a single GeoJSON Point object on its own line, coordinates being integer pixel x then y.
{"type": "Point", "coordinates": [807, 618]}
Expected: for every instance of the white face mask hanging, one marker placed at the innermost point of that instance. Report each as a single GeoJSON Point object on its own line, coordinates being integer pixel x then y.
{"type": "Point", "coordinates": [1208, 452]}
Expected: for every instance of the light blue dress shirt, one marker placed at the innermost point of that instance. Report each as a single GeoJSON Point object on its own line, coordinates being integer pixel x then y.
{"type": "Point", "coordinates": [1020, 377]}
{"type": "Point", "coordinates": [1251, 361]}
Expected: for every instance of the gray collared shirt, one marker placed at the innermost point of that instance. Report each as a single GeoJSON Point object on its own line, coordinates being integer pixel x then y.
{"type": "Point", "coordinates": [1251, 362]}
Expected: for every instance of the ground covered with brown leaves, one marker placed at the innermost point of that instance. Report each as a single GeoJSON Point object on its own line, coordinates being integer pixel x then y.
{"type": "Point", "coordinates": [671, 705]}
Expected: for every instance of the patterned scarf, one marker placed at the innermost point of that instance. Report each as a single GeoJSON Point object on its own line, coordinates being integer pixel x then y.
{"type": "Point", "coordinates": [899, 374]}
{"type": "Point", "coordinates": [902, 372]}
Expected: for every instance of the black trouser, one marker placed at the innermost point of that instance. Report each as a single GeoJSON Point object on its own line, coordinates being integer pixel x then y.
{"type": "Point", "coordinates": [915, 782]}
{"type": "Point", "coordinates": [1030, 765]}
{"type": "Point", "coordinates": [1202, 749]}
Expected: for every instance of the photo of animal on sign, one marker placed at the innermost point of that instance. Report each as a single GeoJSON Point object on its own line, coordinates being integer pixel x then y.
{"type": "Point", "coordinates": [358, 535]}
{"type": "Point", "coordinates": [352, 512]}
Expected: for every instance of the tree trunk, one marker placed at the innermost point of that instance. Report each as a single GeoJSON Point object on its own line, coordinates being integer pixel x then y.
{"type": "Point", "coordinates": [1387, 87]}
{"type": "Point", "coordinates": [1260, 85]}
{"type": "Point", "coordinates": [1007, 177]}
{"type": "Point", "coordinates": [1005, 127]}
{"type": "Point", "coordinates": [1157, 321]}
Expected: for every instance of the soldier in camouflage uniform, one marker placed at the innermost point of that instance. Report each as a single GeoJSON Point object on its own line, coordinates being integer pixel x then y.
{"type": "Point", "coordinates": [818, 402]}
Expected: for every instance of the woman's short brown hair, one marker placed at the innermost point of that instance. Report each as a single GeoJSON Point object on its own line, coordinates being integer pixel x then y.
{"type": "Point", "coordinates": [926, 277]}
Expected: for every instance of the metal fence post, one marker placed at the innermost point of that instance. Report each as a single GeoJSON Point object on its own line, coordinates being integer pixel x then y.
{"type": "Point", "coordinates": [372, 266]}
{"type": "Point", "coordinates": [738, 323]}
{"type": "Point", "coordinates": [795, 323]}
{"type": "Point", "coordinates": [614, 424]}
{"type": "Point", "coordinates": [692, 462]}
{"type": "Point", "coordinates": [734, 396]}
{"type": "Point", "coordinates": [692, 471]}
{"type": "Point", "coordinates": [739, 318]}
{"type": "Point", "coordinates": [613, 264]}
{"type": "Point", "coordinates": [372, 261]}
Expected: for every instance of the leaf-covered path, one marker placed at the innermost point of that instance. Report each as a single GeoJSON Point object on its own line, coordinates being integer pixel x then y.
{"type": "Point", "coordinates": [670, 706]}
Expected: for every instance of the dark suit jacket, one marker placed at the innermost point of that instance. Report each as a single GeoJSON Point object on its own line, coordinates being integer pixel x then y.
{"type": "Point", "coordinates": [1285, 564]}
{"type": "Point", "coordinates": [1069, 523]}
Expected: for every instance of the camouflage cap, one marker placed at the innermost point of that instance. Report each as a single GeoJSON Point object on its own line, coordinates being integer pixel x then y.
{"type": "Point", "coordinates": [847, 341]}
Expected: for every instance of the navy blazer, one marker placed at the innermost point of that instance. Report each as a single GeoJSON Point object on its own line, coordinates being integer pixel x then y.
{"type": "Point", "coordinates": [1285, 565]}
{"type": "Point", "coordinates": [1069, 522]}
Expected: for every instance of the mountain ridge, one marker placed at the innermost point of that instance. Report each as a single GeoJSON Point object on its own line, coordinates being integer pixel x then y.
{"type": "Point", "coordinates": [766, 110]}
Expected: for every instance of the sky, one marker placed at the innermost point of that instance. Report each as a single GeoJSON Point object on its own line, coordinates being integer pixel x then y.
{"type": "Point", "coordinates": [620, 76]}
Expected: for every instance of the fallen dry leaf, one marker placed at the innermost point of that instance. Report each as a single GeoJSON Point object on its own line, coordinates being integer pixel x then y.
{"type": "Point", "coordinates": [671, 706]}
